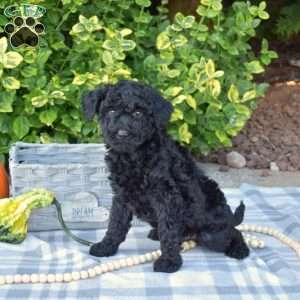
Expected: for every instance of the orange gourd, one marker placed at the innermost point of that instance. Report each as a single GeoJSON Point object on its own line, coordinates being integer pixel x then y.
{"type": "Point", "coordinates": [4, 190]}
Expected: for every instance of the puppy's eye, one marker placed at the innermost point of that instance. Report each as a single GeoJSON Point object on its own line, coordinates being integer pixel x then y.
{"type": "Point", "coordinates": [111, 112]}
{"type": "Point", "coordinates": [137, 114]}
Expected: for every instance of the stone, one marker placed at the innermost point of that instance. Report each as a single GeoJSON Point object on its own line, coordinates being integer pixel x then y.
{"type": "Point", "coordinates": [283, 165]}
{"type": "Point", "coordinates": [235, 160]}
{"type": "Point", "coordinates": [251, 164]}
{"type": "Point", "coordinates": [265, 173]}
{"type": "Point", "coordinates": [254, 139]}
{"type": "Point", "coordinates": [294, 62]}
{"type": "Point", "coordinates": [224, 168]}
{"type": "Point", "coordinates": [273, 166]}
{"type": "Point", "coordinates": [295, 159]}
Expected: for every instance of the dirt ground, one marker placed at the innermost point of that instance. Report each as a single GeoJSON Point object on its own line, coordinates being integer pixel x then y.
{"type": "Point", "coordinates": [234, 178]}
{"type": "Point", "coordinates": [273, 132]}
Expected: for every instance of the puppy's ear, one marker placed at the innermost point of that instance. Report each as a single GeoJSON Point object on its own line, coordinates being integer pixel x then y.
{"type": "Point", "coordinates": [92, 100]}
{"type": "Point", "coordinates": [162, 109]}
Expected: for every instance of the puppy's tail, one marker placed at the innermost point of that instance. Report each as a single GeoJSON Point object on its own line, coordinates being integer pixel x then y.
{"type": "Point", "coordinates": [238, 215]}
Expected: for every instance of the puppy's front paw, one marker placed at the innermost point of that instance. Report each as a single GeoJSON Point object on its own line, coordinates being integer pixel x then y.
{"type": "Point", "coordinates": [153, 234]}
{"type": "Point", "coordinates": [103, 248]}
{"type": "Point", "coordinates": [167, 264]}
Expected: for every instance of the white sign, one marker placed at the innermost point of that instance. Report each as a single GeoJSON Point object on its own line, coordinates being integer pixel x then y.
{"type": "Point", "coordinates": [84, 208]}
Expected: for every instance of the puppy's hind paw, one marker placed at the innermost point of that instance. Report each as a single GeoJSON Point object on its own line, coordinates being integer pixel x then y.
{"type": "Point", "coordinates": [153, 235]}
{"type": "Point", "coordinates": [103, 248]}
{"type": "Point", "coordinates": [238, 249]}
{"type": "Point", "coordinates": [168, 265]}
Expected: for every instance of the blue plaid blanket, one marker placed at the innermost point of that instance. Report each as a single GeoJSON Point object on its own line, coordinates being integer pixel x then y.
{"type": "Point", "coordinates": [269, 273]}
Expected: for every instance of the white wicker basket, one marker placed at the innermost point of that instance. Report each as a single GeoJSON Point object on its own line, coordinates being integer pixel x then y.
{"type": "Point", "coordinates": [75, 172]}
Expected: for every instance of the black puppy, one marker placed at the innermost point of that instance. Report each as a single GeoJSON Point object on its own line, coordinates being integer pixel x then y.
{"type": "Point", "coordinates": [157, 180]}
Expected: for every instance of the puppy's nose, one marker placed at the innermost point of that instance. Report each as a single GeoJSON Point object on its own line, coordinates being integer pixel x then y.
{"type": "Point", "coordinates": [122, 132]}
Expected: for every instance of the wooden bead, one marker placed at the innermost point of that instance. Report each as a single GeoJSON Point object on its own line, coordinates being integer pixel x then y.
{"type": "Point", "coordinates": [259, 229]}
{"type": "Point", "coordinates": [34, 278]}
{"type": "Point", "coordinates": [183, 243]}
{"type": "Point", "coordinates": [51, 278]}
{"type": "Point", "coordinates": [293, 245]}
{"type": "Point", "coordinates": [104, 268]}
{"type": "Point", "coordinates": [67, 277]}
{"type": "Point", "coordinates": [261, 244]}
{"type": "Point", "coordinates": [192, 243]}
{"type": "Point", "coordinates": [278, 235]}
{"type": "Point", "coordinates": [123, 263]}
{"type": "Point", "coordinates": [254, 243]}
{"type": "Point", "coordinates": [286, 240]}
{"type": "Point", "coordinates": [187, 247]}
{"type": "Point", "coordinates": [135, 260]}
{"type": "Point", "coordinates": [297, 247]}
{"type": "Point", "coordinates": [265, 230]}
{"type": "Point", "coordinates": [155, 255]}
{"type": "Point", "coordinates": [110, 266]}
{"type": "Point", "coordinates": [148, 256]}
{"type": "Point", "coordinates": [296, 244]}
{"type": "Point", "coordinates": [17, 278]}
{"type": "Point", "coordinates": [129, 262]}
{"type": "Point", "coordinates": [91, 272]}
{"type": "Point", "coordinates": [75, 275]}
{"type": "Point", "coordinates": [116, 264]}
{"type": "Point", "coordinates": [97, 269]}
{"type": "Point", "coordinates": [42, 278]}
{"type": "Point", "coordinates": [245, 227]}
{"type": "Point", "coordinates": [190, 247]}
{"type": "Point", "coordinates": [142, 259]}
{"type": "Point", "coordinates": [25, 278]}
{"type": "Point", "coordinates": [84, 274]}
{"type": "Point", "coordinates": [9, 279]}
{"type": "Point", "coordinates": [59, 277]}
{"type": "Point", "coordinates": [271, 231]}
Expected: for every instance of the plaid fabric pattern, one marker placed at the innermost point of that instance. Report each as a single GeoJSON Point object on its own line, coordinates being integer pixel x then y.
{"type": "Point", "coordinates": [269, 273]}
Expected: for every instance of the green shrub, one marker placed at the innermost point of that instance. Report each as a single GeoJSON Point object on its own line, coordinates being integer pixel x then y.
{"type": "Point", "coordinates": [284, 21]}
{"type": "Point", "coordinates": [288, 24]}
{"type": "Point", "coordinates": [204, 65]}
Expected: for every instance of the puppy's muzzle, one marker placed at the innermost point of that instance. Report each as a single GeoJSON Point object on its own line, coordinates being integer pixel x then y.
{"type": "Point", "coordinates": [122, 133]}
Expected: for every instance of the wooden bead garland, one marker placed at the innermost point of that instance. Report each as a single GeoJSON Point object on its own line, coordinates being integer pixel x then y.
{"type": "Point", "coordinates": [251, 240]}
{"type": "Point", "coordinates": [273, 232]}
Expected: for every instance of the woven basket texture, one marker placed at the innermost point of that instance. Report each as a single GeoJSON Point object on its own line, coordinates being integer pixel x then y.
{"type": "Point", "coordinates": [78, 175]}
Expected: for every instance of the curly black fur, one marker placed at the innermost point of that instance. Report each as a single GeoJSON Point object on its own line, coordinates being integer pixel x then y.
{"type": "Point", "coordinates": [157, 180]}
